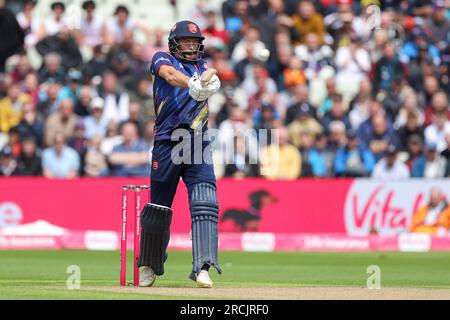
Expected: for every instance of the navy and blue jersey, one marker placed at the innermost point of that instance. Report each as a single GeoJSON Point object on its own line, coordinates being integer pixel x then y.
{"type": "Point", "coordinates": [173, 105]}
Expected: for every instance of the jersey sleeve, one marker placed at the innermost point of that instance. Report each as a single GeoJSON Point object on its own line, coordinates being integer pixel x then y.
{"type": "Point", "coordinates": [159, 59]}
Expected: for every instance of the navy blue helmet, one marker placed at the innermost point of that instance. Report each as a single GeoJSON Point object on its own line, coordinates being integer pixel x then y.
{"type": "Point", "coordinates": [186, 29]}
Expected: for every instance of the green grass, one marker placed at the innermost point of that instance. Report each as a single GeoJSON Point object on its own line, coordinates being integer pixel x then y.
{"type": "Point", "coordinates": [42, 274]}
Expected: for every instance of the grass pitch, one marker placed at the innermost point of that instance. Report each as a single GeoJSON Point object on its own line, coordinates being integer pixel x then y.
{"type": "Point", "coordinates": [246, 275]}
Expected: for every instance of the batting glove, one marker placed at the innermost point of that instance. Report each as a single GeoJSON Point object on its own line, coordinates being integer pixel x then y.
{"type": "Point", "coordinates": [201, 93]}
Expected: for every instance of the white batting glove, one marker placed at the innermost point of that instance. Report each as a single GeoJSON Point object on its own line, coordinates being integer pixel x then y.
{"type": "Point", "coordinates": [214, 84]}
{"type": "Point", "coordinates": [201, 93]}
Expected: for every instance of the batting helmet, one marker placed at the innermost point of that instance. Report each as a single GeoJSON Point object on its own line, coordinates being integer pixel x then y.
{"type": "Point", "coordinates": [186, 29]}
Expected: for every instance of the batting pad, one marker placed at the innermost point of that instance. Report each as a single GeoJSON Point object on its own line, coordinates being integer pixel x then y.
{"type": "Point", "coordinates": [155, 236]}
{"type": "Point", "coordinates": [204, 215]}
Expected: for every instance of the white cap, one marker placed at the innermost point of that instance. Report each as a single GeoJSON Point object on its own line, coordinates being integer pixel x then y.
{"type": "Point", "coordinates": [97, 103]}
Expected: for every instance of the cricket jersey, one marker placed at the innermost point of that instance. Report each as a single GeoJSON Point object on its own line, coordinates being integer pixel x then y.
{"type": "Point", "coordinates": [173, 105]}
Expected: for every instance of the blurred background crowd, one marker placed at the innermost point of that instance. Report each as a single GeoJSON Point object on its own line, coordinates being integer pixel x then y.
{"type": "Point", "coordinates": [354, 88]}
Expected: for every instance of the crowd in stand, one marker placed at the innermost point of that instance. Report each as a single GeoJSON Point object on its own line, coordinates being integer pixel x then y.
{"type": "Point", "coordinates": [353, 89]}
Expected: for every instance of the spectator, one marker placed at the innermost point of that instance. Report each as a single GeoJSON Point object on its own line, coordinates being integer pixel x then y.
{"type": "Point", "coordinates": [393, 99]}
{"type": "Point", "coordinates": [73, 88]}
{"type": "Point", "coordinates": [430, 88]}
{"type": "Point", "coordinates": [337, 137]}
{"type": "Point", "coordinates": [265, 118]}
{"type": "Point", "coordinates": [116, 106]}
{"type": "Point", "coordinates": [439, 25]}
{"type": "Point", "coordinates": [84, 96]}
{"type": "Point", "coordinates": [314, 55]}
{"type": "Point", "coordinates": [97, 65]}
{"type": "Point", "coordinates": [412, 127]}
{"type": "Point", "coordinates": [62, 121]}
{"type": "Point", "coordinates": [111, 139]}
{"type": "Point", "coordinates": [307, 20]}
{"type": "Point", "coordinates": [434, 217]}
{"type": "Point", "coordinates": [409, 107]}
{"type": "Point", "coordinates": [8, 165]}
{"type": "Point", "coordinates": [320, 157]}
{"type": "Point", "coordinates": [390, 168]}
{"type": "Point", "coordinates": [30, 86]}
{"type": "Point", "coordinates": [386, 69]}
{"type": "Point", "coordinates": [418, 48]}
{"type": "Point", "coordinates": [239, 122]}
{"type": "Point", "coordinates": [337, 112]}
{"type": "Point", "coordinates": [156, 43]}
{"type": "Point", "coordinates": [49, 100]}
{"type": "Point", "coordinates": [120, 55]}
{"type": "Point", "coordinates": [21, 69]}
{"type": "Point", "coordinates": [436, 132]}
{"type": "Point", "coordinates": [281, 161]}
{"type": "Point", "coordinates": [64, 44]}
{"type": "Point", "coordinates": [11, 34]}
{"type": "Point", "coordinates": [121, 24]}
{"type": "Point", "coordinates": [94, 125]}
{"type": "Point", "coordinates": [78, 142]}
{"type": "Point", "coordinates": [380, 136]}
{"type": "Point", "coordinates": [92, 26]}
{"type": "Point", "coordinates": [336, 22]}
{"type": "Point", "coordinates": [327, 102]}
{"type": "Point", "coordinates": [251, 38]}
{"type": "Point", "coordinates": [11, 107]}
{"type": "Point", "coordinates": [304, 122]}
{"type": "Point", "coordinates": [360, 105]}
{"type": "Point", "coordinates": [300, 101]}
{"type": "Point", "coordinates": [353, 159]}
{"type": "Point", "coordinates": [130, 158]}
{"type": "Point", "coordinates": [95, 161]}
{"type": "Point", "coordinates": [52, 69]}
{"type": "Point", "coordinates": [439, 104]}
{"type": "Point", "coordinates": [138, 66]}
{"type": "Point", "coordinates": [353, 65]}
{"type": "Point", "coordinates": [31, 126]}
{"type": "Point", "coordinates": [306, 141]}
{"type": "Point", "coordinates": [14, 142]}
{"type": "Point", "coordinates": [414, 149]}
{"type": "Point", "coordinates": [57, 21]}
{"type": "Point", "coordinates": [29, 163]}
{"type": "Point", "coordinates": [243, 165]}
{"type": "Point", "coordinates": [211, 31]}
{"type": "Point", "coordinates": [144, 96]}
{"type": "Point", "coordinates": [30, 23]}
{"type": "Point", "coordinates": [431, 165]}
{"type": "Point", "coordinates": [59, 160]}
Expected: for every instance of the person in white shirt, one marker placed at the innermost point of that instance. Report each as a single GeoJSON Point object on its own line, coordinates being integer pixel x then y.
{"type": "Point", "coordinates": [116, 105]}
{"type": "Point", "coordinates": [251, 38]}
{"type": "Point", "coordinates": [92, 26]}
{"type": "Point", "coordinates": [436, 132]}
{"type": "Point", "coordinates": [390, 168]}
{"type": "Point", "coordinates": [57, 21]}
{"type": "Point", "coordinates": [353, 65]}
{"type": "Point", "coordinates": [30, 23]}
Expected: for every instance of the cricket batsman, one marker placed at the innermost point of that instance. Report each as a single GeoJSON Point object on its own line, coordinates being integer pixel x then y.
{"type": "Point", "coordinates": [180, 97]}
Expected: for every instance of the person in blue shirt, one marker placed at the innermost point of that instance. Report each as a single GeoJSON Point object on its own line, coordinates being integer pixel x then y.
{"type": "Point", "coordinates": [354, 159]}
{"type": "Point", "coordinates": [130, 158]}
{"type": "Point", "coordinates": [181, 108]}
{"type": "Point", "coordinates": [60, 161]}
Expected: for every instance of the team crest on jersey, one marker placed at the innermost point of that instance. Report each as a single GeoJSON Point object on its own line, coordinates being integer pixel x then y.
{"type": "Point", "coordinates": [192, 28]}
{"type": "Point", "coordinates": [155, 165]}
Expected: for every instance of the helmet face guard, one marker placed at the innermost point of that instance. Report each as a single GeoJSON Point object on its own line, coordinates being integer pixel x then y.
{"type": "Point", "coordinates": [198, 50]}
